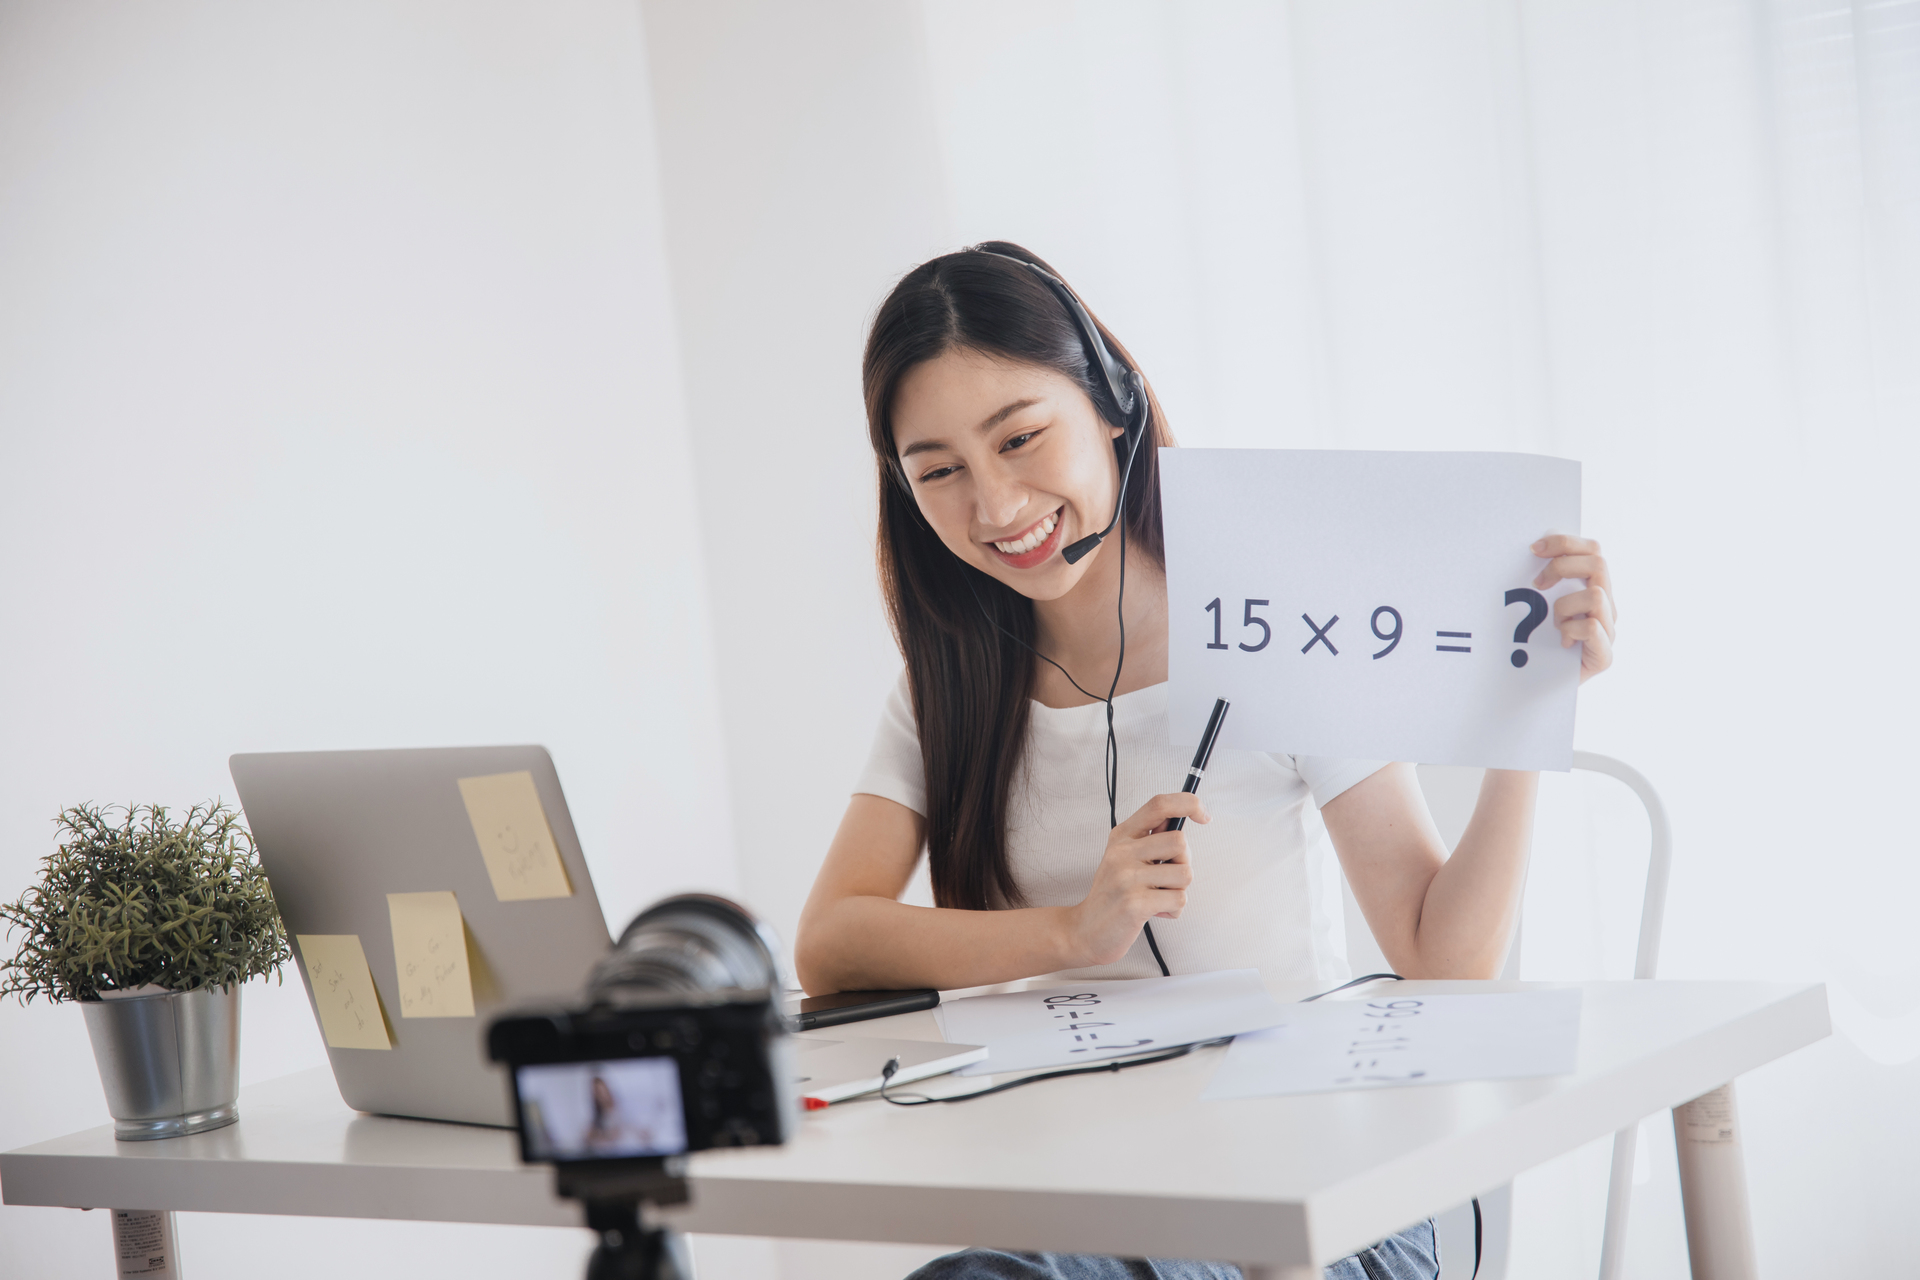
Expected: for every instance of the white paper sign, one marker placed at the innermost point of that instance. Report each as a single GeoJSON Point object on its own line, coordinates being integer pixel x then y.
{"type": "Point", "coordinates": [1370, 605]}
{"type": "Point", "coordinates": [1061, 1026]}
{"type": "Point", "coordinates": [1400, 1040]}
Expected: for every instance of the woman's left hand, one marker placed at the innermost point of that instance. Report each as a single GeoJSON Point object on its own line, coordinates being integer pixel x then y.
{"type": "Point", "coordinates": [1584, 617]}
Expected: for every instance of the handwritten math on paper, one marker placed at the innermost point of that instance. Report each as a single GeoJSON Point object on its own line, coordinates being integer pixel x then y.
{"type": "Point", "coordinates": [1392, 1040]}
{"type": "Point", "coordinates": [1374, 605]}
{"type": "Point", "coordinates": [1059, 1026]}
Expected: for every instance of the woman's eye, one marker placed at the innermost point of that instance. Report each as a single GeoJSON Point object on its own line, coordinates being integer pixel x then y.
{"type": "Point", "coordinates": [1016, 441]}
{"type": "Point", "coordinates": [938, 473]}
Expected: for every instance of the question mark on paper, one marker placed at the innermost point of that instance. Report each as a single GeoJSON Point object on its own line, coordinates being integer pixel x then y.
{"type": "Point", "coordinates": [1536, 614]}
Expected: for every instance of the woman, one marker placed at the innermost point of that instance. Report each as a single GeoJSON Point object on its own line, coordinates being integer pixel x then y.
{"type": "Point", "coordinates": [612, 1131]}
{"type": "Point", "coordinates": [994, 429]}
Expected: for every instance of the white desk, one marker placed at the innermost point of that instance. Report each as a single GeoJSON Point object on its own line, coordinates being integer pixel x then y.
{"type": "Point", "coordinates": [1129, 1164]}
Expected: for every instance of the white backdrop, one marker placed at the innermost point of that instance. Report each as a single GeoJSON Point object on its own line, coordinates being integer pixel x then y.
{"type": "Point", "coordinates": [339, 407]}
{"type": "Point", "coordinates": [322, 315]}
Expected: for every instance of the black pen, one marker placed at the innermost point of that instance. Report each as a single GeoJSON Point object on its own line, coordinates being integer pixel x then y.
{"type": "Point", "coordinates": [1198, 769]}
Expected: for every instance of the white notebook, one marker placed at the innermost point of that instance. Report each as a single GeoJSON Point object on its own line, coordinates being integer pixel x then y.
{"type": "Point", "coordinates": [834, 1070]}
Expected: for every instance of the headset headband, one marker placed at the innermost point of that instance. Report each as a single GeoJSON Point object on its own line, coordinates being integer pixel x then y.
{"type": "Point", "coordinates": [1120, 379]}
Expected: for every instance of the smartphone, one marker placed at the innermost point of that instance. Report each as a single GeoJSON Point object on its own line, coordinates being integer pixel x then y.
{"type": "Point", "coordinates": [858, 1006]}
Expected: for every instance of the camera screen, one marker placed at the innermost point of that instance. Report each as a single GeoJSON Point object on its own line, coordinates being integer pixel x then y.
{"type": "Point", "coordinates": [601, 1110]}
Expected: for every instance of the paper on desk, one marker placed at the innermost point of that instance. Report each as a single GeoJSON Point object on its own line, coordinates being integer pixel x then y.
{"type": "Point", "coordinates": [343, 991]}
{"type": "Point", "coordinates": [1397, 1040]}
{"type": "Point", "coordinates": [515, 840]}
{"type": "Point", "coordinates": [1064, 1025]}
{"type": "Point", "coordinates": [430, 955]}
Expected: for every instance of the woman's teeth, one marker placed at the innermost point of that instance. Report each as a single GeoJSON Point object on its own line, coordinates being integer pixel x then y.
{"type": "Point", "coordinates": [1035, 536]}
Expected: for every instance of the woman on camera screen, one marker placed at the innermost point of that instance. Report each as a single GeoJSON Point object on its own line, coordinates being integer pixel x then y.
{"type": "Point", "coordinates": [1025, 748]}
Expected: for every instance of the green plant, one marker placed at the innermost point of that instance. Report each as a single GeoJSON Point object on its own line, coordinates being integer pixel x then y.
{"type": "Point", "coordinates": [145, 901]}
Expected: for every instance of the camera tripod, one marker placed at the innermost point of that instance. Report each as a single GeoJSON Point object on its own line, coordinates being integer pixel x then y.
{"type": "Point", "coordinates": [630, 1250]}
{"type": "Point", "coordinates": [616, 1201]}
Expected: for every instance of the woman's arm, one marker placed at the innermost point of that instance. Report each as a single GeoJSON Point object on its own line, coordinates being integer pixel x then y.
{"type": "Point", "coordinates": [855, 934]}
{"type": "Point", "coordinates": [1441, 917]}
{"type": "Point", "coordinates": [1435, 916]}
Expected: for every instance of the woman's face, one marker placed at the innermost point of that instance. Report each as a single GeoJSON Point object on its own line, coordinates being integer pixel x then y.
{"type": "Point", "coordinates": [1010, 462]}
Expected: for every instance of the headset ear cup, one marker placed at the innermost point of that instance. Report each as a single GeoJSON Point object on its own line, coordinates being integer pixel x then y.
{"type": "Point", "coordinates": [1129, 438]}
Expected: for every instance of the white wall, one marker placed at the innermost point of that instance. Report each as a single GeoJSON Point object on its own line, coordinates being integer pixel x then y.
{"type": "Point", "coordinates": [802, 176]}
{"type": "Point", "coordinates": [339, 407]}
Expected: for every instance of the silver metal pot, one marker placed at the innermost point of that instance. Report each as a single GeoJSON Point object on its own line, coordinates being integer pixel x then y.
{"type": "Point", "coordinates": [169, 1061]}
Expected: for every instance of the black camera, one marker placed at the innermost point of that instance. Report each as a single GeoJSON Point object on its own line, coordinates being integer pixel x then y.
{"type": "Point", "coordinates": [680, 1046]}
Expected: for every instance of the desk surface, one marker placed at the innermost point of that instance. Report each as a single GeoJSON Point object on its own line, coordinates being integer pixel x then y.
{"type": "Point", "coordinates": [1132, 1163]}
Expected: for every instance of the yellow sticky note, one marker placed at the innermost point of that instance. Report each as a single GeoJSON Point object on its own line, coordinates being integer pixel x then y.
{"type": "Point", "coordinates": [343, 991]}
{"type": "Point", "coordinates": [430, 955]}
{"type": "Point", "coordinates": [514, 837]}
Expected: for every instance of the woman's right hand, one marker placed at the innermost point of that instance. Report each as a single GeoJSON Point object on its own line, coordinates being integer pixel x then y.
{"type": "Point", "coordinates": [1143, 876]}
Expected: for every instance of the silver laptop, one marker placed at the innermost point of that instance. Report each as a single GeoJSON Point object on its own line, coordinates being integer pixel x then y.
{"type": "Point", "coordinates": [340, 830]}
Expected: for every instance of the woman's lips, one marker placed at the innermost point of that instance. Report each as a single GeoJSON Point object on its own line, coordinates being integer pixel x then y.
{"type": "Point", "coordinates": [1048, 543]}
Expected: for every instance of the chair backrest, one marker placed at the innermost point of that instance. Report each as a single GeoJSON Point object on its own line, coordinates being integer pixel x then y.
{"type": "Point", "coordinates": [1653, 905]}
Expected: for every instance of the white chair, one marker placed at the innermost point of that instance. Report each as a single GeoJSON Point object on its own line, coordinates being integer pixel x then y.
{"type": "Point", "coordinates": [1451, 794]}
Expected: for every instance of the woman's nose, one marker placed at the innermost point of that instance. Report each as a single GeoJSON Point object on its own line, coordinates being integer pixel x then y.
{"type": "Point", "coordinates": [998, 499]}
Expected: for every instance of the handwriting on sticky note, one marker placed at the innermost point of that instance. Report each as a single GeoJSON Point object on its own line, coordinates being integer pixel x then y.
{"type": "Point", "coordinates": [343, 991]}
{"type": "Point", "coordinates": [514, 837]}
{"type": "Point", "coordinates": [430, 955]}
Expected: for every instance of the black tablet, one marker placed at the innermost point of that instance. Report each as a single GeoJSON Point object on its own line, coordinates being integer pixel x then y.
{"type": "Point", "coordinates": [857, 1006]}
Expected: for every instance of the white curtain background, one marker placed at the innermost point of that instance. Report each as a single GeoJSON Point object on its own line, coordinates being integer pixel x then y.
{"type": "Point", "coordinates": [350, 277]}
{"type": "Point", "coordinates": [1678, 241]}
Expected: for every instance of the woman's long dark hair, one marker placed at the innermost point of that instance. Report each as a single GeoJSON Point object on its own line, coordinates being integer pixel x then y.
{"type": "Point", "coordinates": [971, 681]}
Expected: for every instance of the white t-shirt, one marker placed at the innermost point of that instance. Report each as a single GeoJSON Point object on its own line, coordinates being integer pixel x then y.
{"type": "Point", "coordinates": [1266, 887]}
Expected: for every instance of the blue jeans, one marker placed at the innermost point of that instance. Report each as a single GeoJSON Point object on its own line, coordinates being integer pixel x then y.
{"type": "Point", "coordinates": [1411, 1255]}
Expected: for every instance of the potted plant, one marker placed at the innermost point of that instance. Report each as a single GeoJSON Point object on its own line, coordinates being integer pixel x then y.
{"type": "Point", "coordinates": [152, 926]}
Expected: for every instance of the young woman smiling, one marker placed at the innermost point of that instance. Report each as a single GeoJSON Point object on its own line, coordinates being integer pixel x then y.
{"type": "Point", "coordinates": [994, 430]}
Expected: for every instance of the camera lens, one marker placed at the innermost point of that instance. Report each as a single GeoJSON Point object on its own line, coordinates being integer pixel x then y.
{"type": "Point", "coordinates": [689, 946]}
